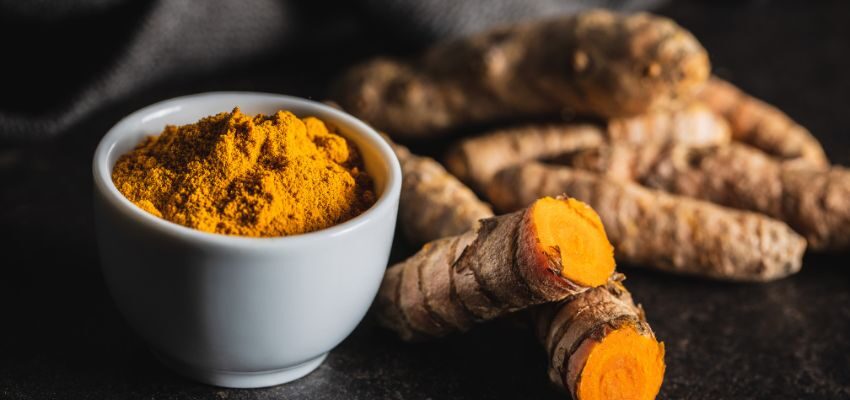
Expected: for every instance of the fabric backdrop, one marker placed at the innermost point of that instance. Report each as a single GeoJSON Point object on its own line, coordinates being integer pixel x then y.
{"type": "Point", "coordinates": [63, 59]}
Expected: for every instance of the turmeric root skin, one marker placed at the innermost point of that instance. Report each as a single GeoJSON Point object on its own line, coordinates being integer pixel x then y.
{"type": "Point", "coordinates": [600, 346]}
{"type": "Point", "coordinates": [434, 204]}
{"type": "Point", "coordinates": [812, 200]}
{"type": "Point", "coordinates": [664, 231]}
{"type": "Point", "coordinates": [695, 125]}
{"type": "Point", "coordinates": [503, 266]}
{"type": "Point", "coordinates": [762, 125]}
{"type": "Point", "coordinates": [596, 63]}
{"type": "Point", "coordinates": [476, 160]}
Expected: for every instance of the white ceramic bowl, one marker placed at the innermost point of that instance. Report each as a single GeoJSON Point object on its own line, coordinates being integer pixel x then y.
{"type": "Point", "coordinates": [237, 311]}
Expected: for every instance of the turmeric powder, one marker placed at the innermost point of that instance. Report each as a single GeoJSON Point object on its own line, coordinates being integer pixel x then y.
{"type": "Point", "coordinates": [236, 174]}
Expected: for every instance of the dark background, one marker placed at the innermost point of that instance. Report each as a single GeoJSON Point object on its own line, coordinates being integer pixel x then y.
{"type": "Point", "coordinates": [61, 336]}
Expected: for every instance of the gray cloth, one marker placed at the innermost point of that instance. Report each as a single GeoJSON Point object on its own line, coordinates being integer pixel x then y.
{"type": "Point", "coordinates": [150, 43]}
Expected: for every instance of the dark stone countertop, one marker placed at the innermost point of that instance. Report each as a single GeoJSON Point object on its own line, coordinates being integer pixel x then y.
{"type": "Point", "coordinates": [61, 337]}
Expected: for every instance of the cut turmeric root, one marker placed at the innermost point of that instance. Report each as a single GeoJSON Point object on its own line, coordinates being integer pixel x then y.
{"type": "Point", "coordinates": [599, 342]}
{"type": "Point", "coordinates": [762, 125]}
{"type": "Point", "coordinates": [476, 160]}
{"type": "Point", "coordinates": [664, 231]}
{"type": "Point", "coordinates": [597, 63]}
{"type": "Point", "coordinates": [600, 346]}
{"type": "Point", "coordinates": [543, 253]}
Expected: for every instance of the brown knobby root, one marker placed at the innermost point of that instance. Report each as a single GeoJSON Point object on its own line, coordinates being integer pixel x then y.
{"type": "Point", "coordinates": [664, 231]}
{"type": "Point", "coordinates": [476, 160]}
{"type": "Point", "coordinates": [600, 346]}
{"type": "Point", "coordinates": [596, 63]}
{"type": "Point", "coordinates": [622, 161]}
{"type": "Point", "coordinates": [543, 253]}
{"type": "Point", "coordinates": [434, 204]}
{"type": "Point", "coordinates": [762, 125]}
{"type": "Point", "coordinates": [812, 200]}
{"type": "Point", "coordinates": [583, 334]}
{"type": "Point", "coordinates": [694, 125]}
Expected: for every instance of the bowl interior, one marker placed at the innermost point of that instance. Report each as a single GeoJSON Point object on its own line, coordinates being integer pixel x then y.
{"type": "Point", "coordinates": [378, 158]}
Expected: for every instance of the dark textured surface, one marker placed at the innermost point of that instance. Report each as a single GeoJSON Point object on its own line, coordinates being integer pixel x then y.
{"type": "Point", "coordinates": [61, 337]}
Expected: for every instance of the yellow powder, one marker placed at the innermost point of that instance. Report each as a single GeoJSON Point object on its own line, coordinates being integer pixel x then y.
{"type": "Point", "coordinates": [237, 174]}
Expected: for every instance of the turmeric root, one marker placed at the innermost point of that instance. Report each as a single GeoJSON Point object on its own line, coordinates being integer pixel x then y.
{"type": "Point", "coordinates": [664, 231]}
{"type": "Point", "coordinates": [543, 253]}
{"type": "Point", "coordinates": [621, 161]}
{"type": "Point", "coordinates": [434, 204]}
{"type": "Point", "coordinates": [597, 63]}
{"type": "Point", "coordinates": [762, 125]}
{"type": "Point", "coordinates": [476, 160]}
{"type": "Point", "coordinates": [600, 346]}
{"type": "Point", "coordinates": [813, 201]}
{"type": "Point", "coordinates": [583, 335]}
{"type": "Point", "coordinates": [694, 125]}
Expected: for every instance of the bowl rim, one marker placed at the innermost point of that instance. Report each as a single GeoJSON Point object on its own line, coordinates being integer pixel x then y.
{"type": "Point", "coordinates": [387, 201]}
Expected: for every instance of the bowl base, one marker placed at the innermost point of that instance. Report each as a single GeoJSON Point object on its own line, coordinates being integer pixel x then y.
{"type": "Point", "coordinates": [243, 380]}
